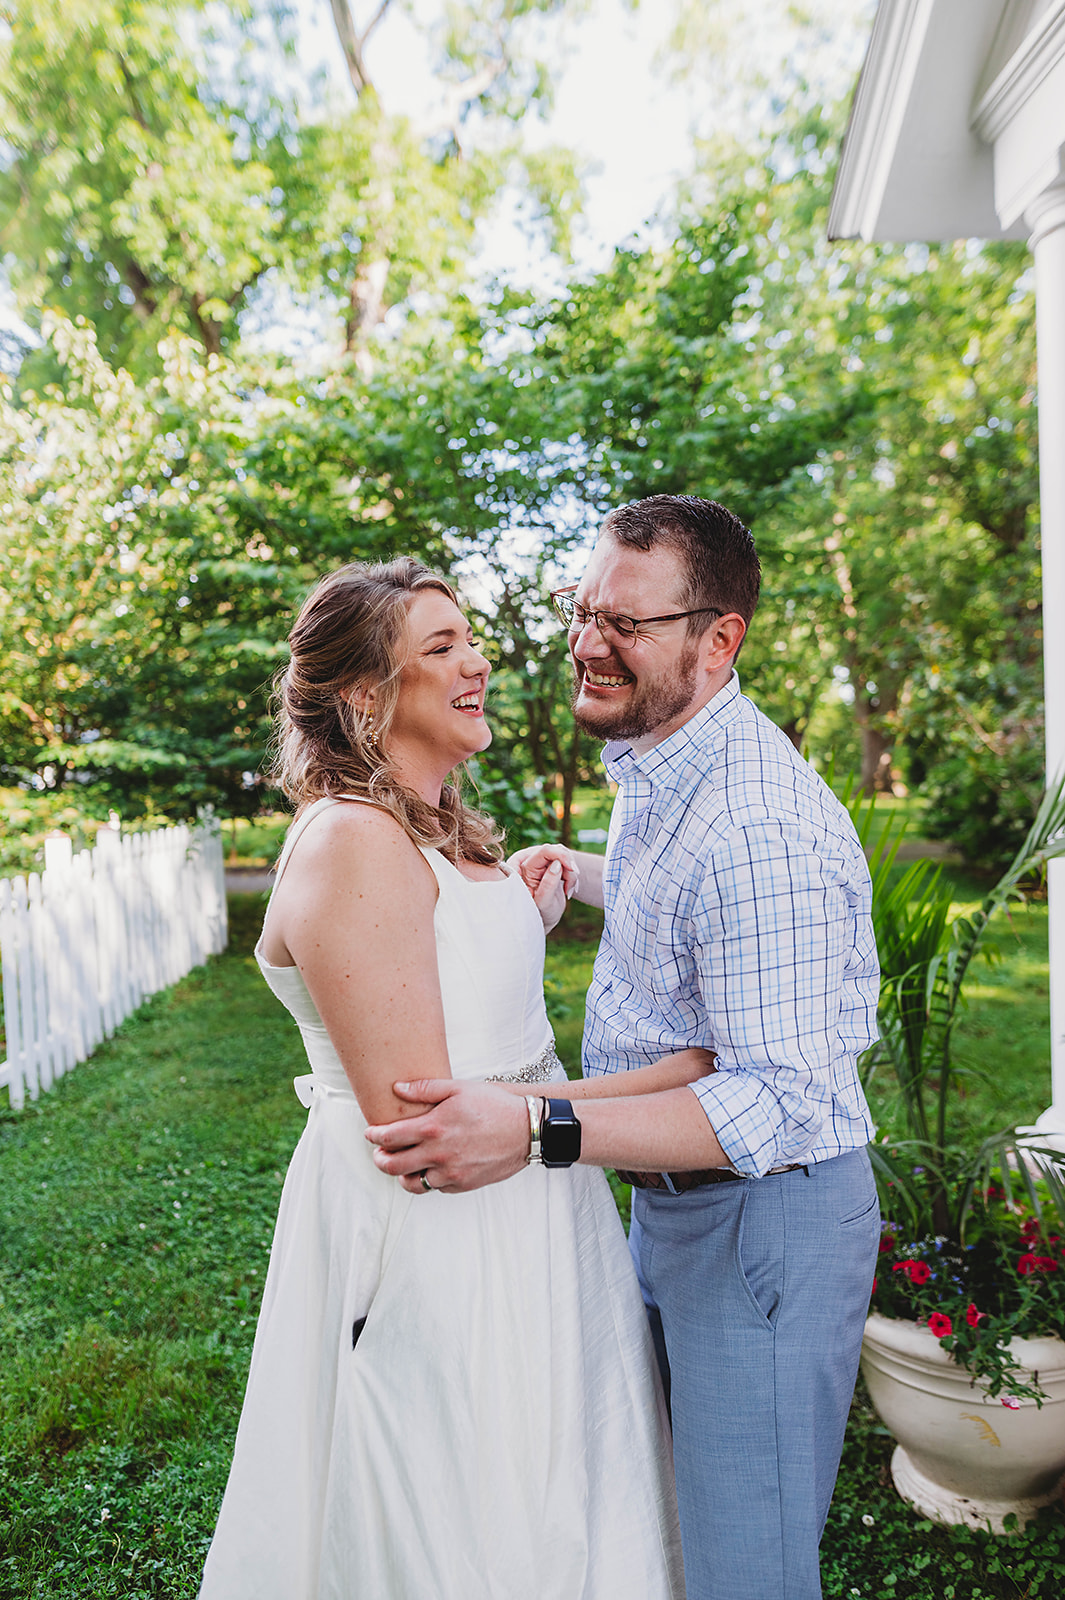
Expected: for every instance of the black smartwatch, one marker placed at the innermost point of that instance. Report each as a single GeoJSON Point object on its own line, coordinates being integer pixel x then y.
{"type": "Point", "coordinates": [560, 1134]}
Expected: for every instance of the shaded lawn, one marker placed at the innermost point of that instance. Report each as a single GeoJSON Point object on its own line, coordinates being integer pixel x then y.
{"type": "Point", "coordinates": [137, 1203]}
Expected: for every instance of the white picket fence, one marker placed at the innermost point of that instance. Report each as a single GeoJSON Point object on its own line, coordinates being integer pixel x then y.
{"type": "Point", "coordinates": [83, 943]}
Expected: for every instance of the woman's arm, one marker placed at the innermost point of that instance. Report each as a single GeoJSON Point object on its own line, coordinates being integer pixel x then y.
{"type": "Point", "coordinates": [354, 912]}
{"type": "Point", "coordinates": [671, 1072]}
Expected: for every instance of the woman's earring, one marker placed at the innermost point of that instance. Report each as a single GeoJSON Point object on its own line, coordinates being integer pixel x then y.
{"type": "Point", "coordinates": [371, 734]}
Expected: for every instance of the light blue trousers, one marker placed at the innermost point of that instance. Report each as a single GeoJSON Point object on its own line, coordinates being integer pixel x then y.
{"type": "Point", "coordinates": [763, 1288]}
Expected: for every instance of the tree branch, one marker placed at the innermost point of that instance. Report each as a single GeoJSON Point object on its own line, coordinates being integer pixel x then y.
{"type": "Point", "coordinates": [127, 79]}
{"type": "Point", "coordinates": [353, 43]}
{"type": "Point", "coordinates": [459, 96]}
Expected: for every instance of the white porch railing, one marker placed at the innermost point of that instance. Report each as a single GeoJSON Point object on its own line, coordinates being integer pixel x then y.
{"type": "Point", "coordinates": [83, 943]}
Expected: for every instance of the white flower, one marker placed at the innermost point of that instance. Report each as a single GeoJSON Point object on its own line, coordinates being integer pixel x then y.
{"type": "Point", "coordinates": [868, 1520]}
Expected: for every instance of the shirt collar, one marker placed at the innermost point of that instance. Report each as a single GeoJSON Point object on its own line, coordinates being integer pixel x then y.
{"type": "Point", "coordinates": [658, 763]}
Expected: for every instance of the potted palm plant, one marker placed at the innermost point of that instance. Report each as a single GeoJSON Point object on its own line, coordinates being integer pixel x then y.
{"type": "Point", "coordinates": [963, 1354]}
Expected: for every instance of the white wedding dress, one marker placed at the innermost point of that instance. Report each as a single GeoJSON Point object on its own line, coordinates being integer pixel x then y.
{"type": "Point", "coordinates": [497, 1431]}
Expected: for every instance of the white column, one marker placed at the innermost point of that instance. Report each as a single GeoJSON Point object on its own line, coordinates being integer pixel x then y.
{"type": "Point", "coordinates": [1046, 218]}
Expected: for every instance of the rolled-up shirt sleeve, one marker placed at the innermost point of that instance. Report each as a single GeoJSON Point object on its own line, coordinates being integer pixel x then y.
{"type": "Point", "coordinates": [771, 933]}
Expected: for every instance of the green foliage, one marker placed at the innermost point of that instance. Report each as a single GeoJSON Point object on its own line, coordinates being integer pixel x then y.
{"type": "Point", "coordinates": [876, 1548]}
{"type": "Point", "coordinates": [518, 808]}
{"type": "Point", "coordinates": [955, 1253]}
{"type": "Point", "coordinates": [981, 799]}
{"type": "Point", "coordinates": [1006, 1281]}
{"type": "Point", "coordinates": [27, 817]}
{"type": "Point", "coordinates": [869, 410]}
{"type": "Point", "coordinates": [924, 961]}
{"type": "Point", "coordinates": [156, 540]}
{"type": "Point", "coordinates": [160, 173]}
{"type": "Point", "coordinates": [129, 188]}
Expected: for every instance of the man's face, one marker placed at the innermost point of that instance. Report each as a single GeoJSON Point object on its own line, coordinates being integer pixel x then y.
{"type": "Point", "coordinates": [648, 688]}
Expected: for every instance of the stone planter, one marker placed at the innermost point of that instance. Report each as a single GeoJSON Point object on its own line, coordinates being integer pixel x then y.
{"type": "Point", "coordinates": [962, 1456]}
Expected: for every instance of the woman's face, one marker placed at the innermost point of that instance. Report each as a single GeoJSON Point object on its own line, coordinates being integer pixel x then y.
{"type": "Point", "coordinates": [439, 716]}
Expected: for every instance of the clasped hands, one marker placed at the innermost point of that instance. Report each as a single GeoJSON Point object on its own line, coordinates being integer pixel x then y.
{"type": "Point", "coordinates": [476, 1133]}
{"type": "Point", "coordinates": [551, 875]}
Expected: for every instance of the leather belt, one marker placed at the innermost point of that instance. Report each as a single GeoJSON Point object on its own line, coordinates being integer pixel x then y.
{"type": "Point", "coordinates": [680, 1182]}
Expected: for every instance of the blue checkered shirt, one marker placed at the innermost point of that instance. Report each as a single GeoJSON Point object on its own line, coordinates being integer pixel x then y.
{"type": "Point", "coordinates": [738, 918]}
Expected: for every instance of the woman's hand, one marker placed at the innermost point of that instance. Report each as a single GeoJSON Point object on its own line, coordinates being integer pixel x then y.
{"type": "Point", "coordinates": [551, 875]}
{"type": "Point", "coordinates": [685, 1067]}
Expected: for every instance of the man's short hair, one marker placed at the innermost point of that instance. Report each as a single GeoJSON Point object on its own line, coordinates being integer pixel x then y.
{"type": "Point", "coordinates": [723, 571]}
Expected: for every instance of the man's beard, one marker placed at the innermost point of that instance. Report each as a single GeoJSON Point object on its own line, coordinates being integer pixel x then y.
{"type": "Point", "coordinates": [652, 706]}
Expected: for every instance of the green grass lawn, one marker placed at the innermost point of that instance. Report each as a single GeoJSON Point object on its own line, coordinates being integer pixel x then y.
{"type": "Point", "coordinates": [136, 1207]}
{"type": "Point", "coordinates": [137, 1203]}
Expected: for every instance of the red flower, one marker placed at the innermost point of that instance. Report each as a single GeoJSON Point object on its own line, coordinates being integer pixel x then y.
{"type": "Point", "coordinates": [873, 1289]}
{"type": "Point", "coordinates": [972, 1316]}
{"type": "Point", "coordinates": [1029, 1263]}
{"type": "Point", "coordinates": [916, 1271]}
{"type": "Point", "coordinates": [940, 1325]}
{"type": "Point", "coordinates": [887, 1242]}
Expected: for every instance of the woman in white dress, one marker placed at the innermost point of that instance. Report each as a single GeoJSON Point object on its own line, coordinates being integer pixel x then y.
{"type": "Point", "coordinates": [451, 1397]}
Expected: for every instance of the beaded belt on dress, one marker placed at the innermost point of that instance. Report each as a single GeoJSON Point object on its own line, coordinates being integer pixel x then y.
{"type": "Point", "coordinates": [546, 1066]}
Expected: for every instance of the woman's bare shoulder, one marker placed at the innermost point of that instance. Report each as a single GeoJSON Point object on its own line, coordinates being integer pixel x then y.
{"type": "Point", "coordinates": [361, 835]}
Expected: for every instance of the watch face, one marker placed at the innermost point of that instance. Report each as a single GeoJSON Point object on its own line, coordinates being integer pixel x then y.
{"type": "Point", "coordinates": [560, 1135]}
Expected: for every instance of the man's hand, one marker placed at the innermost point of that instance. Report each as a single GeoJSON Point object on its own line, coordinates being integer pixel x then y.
{"type": "Point", "coordinates": [475, 1134]}
{"type": "Point", "coordinates": [551, 875]}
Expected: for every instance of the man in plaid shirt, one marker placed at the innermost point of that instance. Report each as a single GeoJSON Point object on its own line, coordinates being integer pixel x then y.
{"type": "Point", "coordinates": [737, 918]}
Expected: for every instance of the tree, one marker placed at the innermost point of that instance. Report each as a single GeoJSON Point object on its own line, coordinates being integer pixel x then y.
{"type": "Point", "coordinates": [130, 192]}
{"type": "Point", "coordinates": [450, 456]}
{"type": "Point", "coordinates": [427, 185]}
{"type": "Point", "coordinates": [662, 386]}
{"type": "Point", "coordinates": [156, 540]}
{"type": "Point", "coordinates": [155, 178]}
{"type": "Point", "coordinates": [933, 510]}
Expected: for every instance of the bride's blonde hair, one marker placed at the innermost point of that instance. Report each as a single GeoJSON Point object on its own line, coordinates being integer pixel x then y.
{"type": "Point", "coordinates": [351, 634]}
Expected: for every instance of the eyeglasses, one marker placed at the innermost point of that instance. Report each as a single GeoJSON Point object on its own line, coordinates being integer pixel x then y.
{"type": "Point", "coordinates": [620, 629]}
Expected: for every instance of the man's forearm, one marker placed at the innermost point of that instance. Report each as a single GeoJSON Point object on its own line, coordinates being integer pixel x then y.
{"type": "Point", "coordinates": [665, 1132]}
